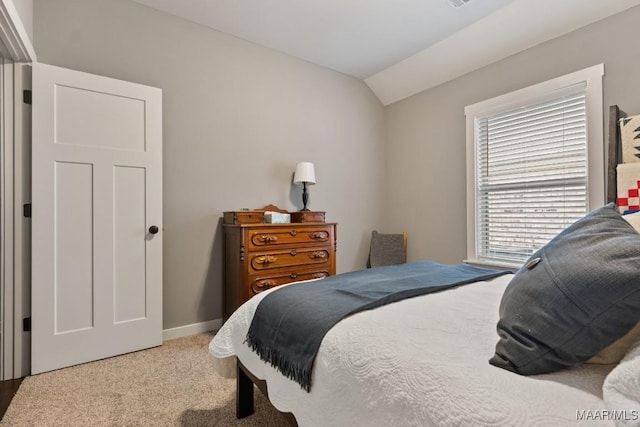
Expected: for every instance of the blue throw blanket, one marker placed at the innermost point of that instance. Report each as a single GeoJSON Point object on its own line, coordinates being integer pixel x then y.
{"type": "Point", "coordinates": [290, 323]}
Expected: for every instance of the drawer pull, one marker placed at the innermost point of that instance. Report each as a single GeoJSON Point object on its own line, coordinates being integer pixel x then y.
{"type": "Point", "coordinates": [319, 235]}
{"type": "Point", "coordinates": [293, 252]}
{"type": "Point", "coordinates": [268, 238]}
{"type": "Point", "coordinates": [293, 275]}
{"type": "Point", "coordinates": [263, 285]}
{"type": "Point", "coordinates": [293, 232]}
{"type": "Point", "coordinates": [318, 255]}
{"type": "Point", "coordinates": [266, 259]}
{"type": "Point", "coordinates": [318, 275]}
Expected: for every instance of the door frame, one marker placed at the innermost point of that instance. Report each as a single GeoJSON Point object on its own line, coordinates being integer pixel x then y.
{"type": "Point", "coordinates": [22, 227]}
{"type": "Point", "coordinates": [15, 240]}
{"type": "Point", "coordinates": [7, 218]}
{"type": "Point", "coordinates": [14, 35]}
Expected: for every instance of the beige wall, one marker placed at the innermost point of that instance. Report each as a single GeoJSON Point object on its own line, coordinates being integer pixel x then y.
{"type": "Point", "coordinates": [237, 119]}
{"type": "Point", "coordinates": [425, 134]}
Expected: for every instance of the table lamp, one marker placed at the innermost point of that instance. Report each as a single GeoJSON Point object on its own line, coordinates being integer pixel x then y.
{"type": "Point", "coordinates": [304, 175]}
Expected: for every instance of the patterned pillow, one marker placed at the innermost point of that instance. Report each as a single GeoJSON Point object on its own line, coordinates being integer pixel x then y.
{"type": "Point", "coordinates": [574, 297]}
{"type": "Point", "coordinates": [629, 133]}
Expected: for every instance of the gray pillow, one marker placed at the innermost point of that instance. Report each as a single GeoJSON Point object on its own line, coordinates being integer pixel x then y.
{"type": "Point", "coordinates": [574, 297]}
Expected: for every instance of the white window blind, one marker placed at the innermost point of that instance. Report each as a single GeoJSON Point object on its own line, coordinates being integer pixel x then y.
{"type": "Point", "coordinates": [531, 174]}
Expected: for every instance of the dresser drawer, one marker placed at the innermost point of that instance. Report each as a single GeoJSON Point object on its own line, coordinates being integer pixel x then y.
{"type": "Point", "coordinates": [243, 217]}
{"type": "Point", "coordinates": [259, 238]}
{"type": "Point", "coordinates": [259, 283]}
{"type": "Point", "coordinates": [286, 258]}
{"type": "Point", "coordinates": [260, 256]}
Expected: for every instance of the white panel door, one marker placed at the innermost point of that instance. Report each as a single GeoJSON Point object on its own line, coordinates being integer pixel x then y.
{"type": "Point", "coordinates": [96, 217]}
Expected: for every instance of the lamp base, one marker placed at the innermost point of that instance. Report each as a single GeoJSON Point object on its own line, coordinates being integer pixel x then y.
{"type": "Point", "coordinates": [305, 197]}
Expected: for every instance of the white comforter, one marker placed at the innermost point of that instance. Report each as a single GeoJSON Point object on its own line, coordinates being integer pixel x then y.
{"type": "Point", "coordinates": [622, 389]}
{"type": "Point", "coordinates": [418, 362]}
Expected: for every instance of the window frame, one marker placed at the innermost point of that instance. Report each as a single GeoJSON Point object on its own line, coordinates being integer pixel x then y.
{"type": "Point", "coordinates": [596, 176]}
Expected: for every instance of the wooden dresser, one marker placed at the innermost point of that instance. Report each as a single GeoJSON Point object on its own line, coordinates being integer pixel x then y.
{"type": "Point", "coordinates": [260, 256]}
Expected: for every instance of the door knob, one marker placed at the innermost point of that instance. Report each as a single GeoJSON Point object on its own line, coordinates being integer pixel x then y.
{"type": "Point", "coordinates": [153, 229]}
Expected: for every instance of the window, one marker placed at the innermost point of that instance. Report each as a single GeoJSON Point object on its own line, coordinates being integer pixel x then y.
{"type": "Point", "coordinates": [534, 164]}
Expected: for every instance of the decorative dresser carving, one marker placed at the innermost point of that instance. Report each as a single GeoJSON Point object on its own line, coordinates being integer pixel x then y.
{"type": "Point", "coordinates": [261, 256]}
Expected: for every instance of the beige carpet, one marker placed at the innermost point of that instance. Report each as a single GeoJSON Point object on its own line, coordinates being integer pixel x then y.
{"type": "Point", "coordinates": [171, 385]}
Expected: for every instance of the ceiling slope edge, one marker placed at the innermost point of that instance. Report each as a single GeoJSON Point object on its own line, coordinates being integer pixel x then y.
{"type": "Point", "coordinates": [522, 24]}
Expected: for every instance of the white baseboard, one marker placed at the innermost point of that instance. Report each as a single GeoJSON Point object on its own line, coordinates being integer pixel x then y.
{"type": "Point", "coordinates": [195, 328]}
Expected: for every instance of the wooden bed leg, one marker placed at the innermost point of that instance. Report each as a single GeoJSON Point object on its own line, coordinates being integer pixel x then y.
{"type": "Point", "coordinates": [244, 393]}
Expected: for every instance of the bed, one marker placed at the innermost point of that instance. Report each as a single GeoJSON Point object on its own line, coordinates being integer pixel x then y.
{"type": "Point", "coordinates": [424, 361]}
{"type": "Point", "coordinates": [435, 373]}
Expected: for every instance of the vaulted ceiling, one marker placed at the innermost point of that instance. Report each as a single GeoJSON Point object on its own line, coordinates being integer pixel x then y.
{"type": "Point", "coordinates": [398, 47]}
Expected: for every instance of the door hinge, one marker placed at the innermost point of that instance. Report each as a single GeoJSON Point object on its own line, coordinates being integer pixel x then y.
{"type": "Point", "coordinates": [26, 210]}
{"type": "Point", "coordinates": [26, 96]}
{"type": "Point", "coordinates": [26, 324]}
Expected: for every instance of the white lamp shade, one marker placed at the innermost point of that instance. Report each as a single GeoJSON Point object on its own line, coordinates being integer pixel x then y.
{"type": "Point", "coordinates": [304, 173]}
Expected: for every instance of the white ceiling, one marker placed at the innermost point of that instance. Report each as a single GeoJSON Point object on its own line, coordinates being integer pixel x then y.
{"type": "Point", "coordinates": [355, 37]}
{"type": "Point", "coordinates": [398, 47]}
